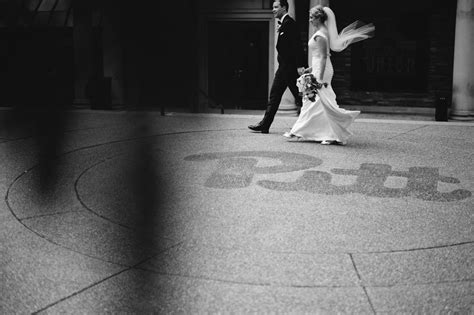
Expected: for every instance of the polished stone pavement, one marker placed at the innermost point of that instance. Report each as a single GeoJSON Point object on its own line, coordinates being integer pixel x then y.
{"type": "Point", "coordinates": [133, 212]}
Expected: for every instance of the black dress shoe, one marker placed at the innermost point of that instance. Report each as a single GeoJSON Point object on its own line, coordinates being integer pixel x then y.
{"type": "Point", "coordinates": [259, 128]}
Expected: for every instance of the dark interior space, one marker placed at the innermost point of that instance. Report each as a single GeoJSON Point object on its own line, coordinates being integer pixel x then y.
{"type": "Point", "coordinates": [37, 66]}
{"type": "Point", "coordinates": [158, 40]}
{"type": "Point", "coordinates": [238, 63]}
{"type": "Point", "coordinates": [160, 51]}
{"type": "Point", "coordinates": [398, 58]}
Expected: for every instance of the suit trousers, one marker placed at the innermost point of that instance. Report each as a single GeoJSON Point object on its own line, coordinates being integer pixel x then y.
{"type": "Point", "coordinates": [285, 76]}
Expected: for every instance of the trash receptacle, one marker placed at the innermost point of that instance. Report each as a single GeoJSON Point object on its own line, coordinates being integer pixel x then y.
{"type": "Point", "coordinates": [441, 111]}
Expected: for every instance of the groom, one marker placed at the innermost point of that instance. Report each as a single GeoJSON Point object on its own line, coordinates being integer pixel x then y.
{"type": "Point", "coordinates": [289, 58]}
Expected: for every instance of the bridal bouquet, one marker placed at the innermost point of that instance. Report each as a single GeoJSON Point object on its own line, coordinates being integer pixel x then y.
{"type": "Point", "coordinates": [309, 86]}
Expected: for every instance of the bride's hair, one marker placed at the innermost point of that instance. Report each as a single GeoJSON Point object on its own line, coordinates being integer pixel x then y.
{"type": "Point", "coordinates": [317, 12]}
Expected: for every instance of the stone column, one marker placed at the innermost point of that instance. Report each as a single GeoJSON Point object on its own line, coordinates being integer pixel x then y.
{"type": "Point", "coordinates": [463, 71]}
{"type": "Point", "coordinates": [287, 104]}
{"type": "Point", "coordinates": [83, 51]}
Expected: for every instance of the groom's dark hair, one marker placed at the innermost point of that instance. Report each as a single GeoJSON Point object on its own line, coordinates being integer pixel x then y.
{"type": "Point", "coordinates": [284, 3]}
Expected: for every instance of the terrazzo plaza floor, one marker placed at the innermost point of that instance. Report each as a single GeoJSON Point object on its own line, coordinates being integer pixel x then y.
{"type": "Point", "coordinates": [194, 213]}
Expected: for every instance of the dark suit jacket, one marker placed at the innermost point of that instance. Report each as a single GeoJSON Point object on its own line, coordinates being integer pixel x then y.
{"type": "Point", "coordinates": [290, 51]}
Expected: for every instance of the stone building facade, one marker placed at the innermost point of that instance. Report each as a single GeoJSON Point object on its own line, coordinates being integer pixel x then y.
{"type": "Point", "coordinates": [202, 54]}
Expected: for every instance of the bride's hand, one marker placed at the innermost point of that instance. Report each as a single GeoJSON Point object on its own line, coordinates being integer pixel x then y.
{"type": "Point", "coordinates": [307, 70]}
{"type": "Point", "coordinates": [301, 70]}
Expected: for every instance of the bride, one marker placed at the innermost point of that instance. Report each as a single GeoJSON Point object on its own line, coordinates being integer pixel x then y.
{"type": "Point", "coordinates": [322, 119]}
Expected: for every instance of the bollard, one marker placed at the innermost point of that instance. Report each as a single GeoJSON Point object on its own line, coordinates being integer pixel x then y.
{"type": "Point", "coordinates": [441, 111]}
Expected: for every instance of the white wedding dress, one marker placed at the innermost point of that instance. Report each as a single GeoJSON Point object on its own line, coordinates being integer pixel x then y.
{"type": "Point", "coordinates": [323, 119]}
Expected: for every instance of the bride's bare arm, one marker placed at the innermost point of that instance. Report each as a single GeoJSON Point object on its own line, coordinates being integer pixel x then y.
{"type": "Point", "coordinates": [323, 48]}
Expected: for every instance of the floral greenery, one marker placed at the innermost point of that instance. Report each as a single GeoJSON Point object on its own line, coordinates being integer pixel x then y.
{"type": "Point", "coordinates": [309, 86]}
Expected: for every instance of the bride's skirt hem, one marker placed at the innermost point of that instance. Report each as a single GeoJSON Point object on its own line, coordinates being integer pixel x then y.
{"type": "Point", "coordinates": [297, 137]}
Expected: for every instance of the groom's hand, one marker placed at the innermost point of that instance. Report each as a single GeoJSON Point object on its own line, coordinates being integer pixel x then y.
{"type": "Point", "coordinates": [301, 70]}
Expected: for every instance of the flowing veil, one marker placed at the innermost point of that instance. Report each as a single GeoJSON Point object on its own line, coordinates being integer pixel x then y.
{"type": "Point", "coordinates": [352, 33]}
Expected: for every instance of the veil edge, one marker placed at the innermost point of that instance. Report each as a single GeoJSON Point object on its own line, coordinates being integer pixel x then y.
{"type": "Point", "coordinates": [354, 32]}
